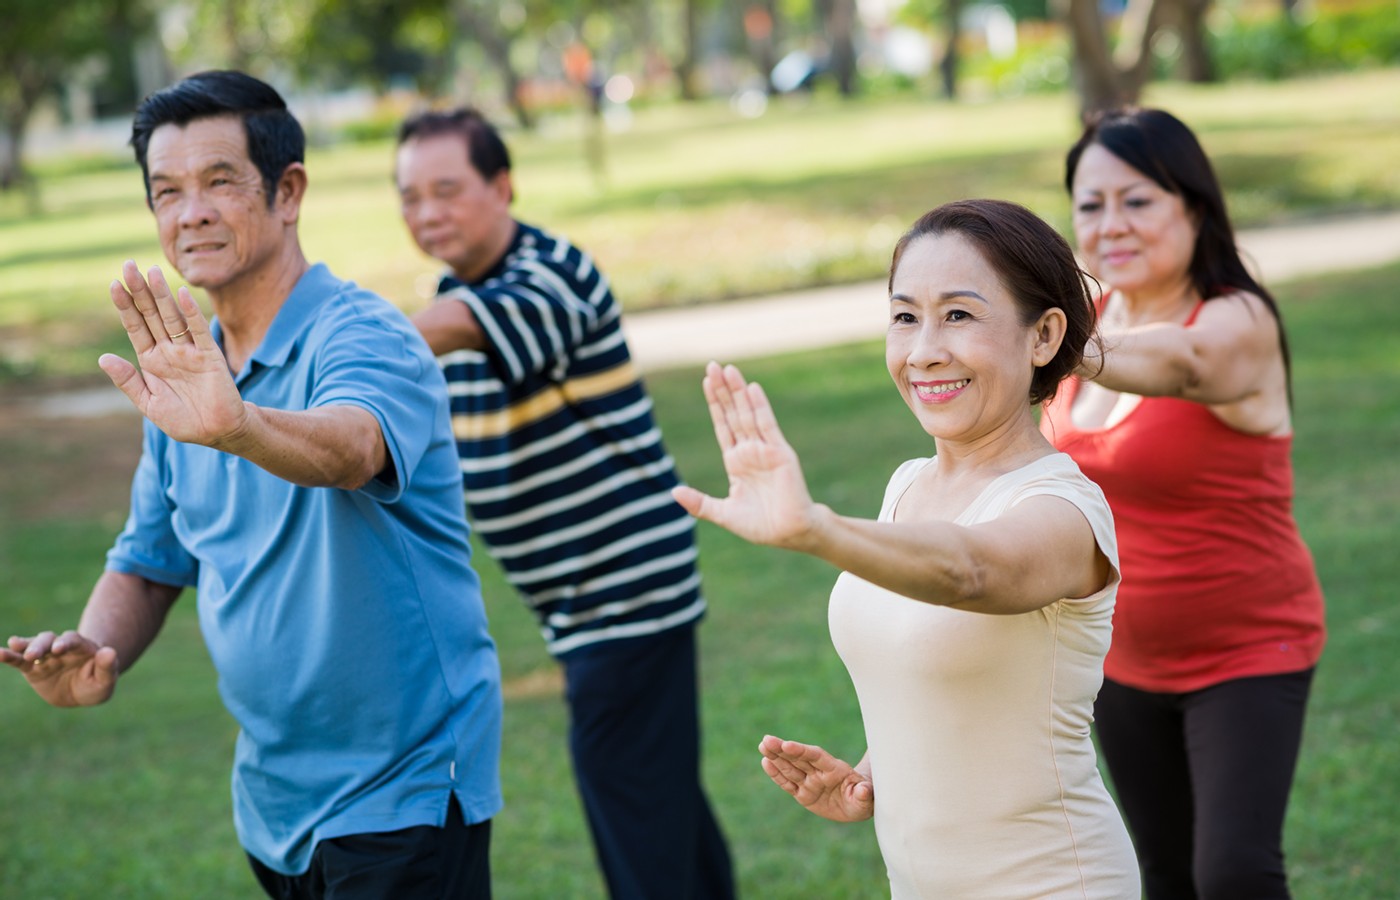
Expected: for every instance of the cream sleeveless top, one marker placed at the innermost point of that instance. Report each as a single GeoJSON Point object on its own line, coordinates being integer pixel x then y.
{"type": "Point", "coordinates": [978, 725]}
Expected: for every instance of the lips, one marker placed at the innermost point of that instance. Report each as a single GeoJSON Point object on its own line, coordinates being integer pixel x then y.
{"type": "Point", "coordinates": [940, 391]}
{"type": "Point", "coordinates": [203, 247]}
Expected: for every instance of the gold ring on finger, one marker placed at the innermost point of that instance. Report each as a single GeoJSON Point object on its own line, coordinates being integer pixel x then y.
{"type": "Point", "coordinates": [181, 334]}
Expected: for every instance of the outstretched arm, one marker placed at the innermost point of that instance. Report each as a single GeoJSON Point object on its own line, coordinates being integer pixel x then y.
{"type": "Point", "coordinates": [1223, 357]}
{"type": "Point", "coordinates": [1041, 551]}
{"type": "Point", "coordinates": [448, 325]}
{"type": "Point", "coordinates": [80, 668]}
{"type": "Point", "coordinates": [184, 387]}
{"type": "Point", "coordinates": [825, 785]}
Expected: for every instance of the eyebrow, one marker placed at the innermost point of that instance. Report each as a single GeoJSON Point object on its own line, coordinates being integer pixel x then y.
{"type": "Point", "coordinates": [945, 296]}
{"type": "Point", "coordinates": [1127, 187]}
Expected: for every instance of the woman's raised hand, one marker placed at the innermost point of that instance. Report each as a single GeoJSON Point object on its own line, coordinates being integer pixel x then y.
{"type": "Point", "coordinates": [830, 787]}
{"type": "Point", "coordinates": [768, 501]}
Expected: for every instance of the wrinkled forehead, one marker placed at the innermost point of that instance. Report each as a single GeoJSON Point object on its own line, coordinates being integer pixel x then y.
{"type": "Point", "coordinates": [197, 145]}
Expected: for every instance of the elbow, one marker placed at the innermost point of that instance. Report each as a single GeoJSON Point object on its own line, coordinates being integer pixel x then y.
{"type": "Point", "coordinates": [357, 474]}
{"type": "Point", "coordinates": [969, 587]}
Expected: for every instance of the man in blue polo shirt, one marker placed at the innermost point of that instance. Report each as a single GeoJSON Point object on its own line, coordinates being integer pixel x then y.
{"type": "Point", "coordinates": [298, 468]}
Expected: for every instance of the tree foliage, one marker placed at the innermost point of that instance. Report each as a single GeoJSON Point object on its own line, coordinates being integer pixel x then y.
{"type": "Point", "coordinates": [41, 44]}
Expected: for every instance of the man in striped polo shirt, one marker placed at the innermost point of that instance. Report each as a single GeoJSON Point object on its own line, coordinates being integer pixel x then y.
{"type": "Point", "coordinates": [568, 482]}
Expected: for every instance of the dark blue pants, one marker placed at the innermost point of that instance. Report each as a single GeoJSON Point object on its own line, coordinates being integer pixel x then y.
{"type": "Point", "coordinates": [1203, 781]}
{"type": "Point", "coordinates": [635, 738]}
{"type": "Point", "coordinates": [420, 863]}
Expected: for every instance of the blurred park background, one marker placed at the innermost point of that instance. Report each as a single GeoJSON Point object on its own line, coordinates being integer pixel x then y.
{"type": "Point", "coordinates": [702, 150]}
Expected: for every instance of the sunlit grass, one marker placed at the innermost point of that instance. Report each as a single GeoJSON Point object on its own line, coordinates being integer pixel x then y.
{"type": "Point", "coordinates": [131, 800]}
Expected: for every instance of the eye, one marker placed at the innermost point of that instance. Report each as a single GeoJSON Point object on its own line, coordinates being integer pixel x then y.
{"type": "Point", "coordinates": [1089, 206]}
{"type": "Point", "coordinates": [903, 318]}
{"type": "Point", "coordinates": [1137, 202]}
{"type": "Point", "coordinates": [957, 315]}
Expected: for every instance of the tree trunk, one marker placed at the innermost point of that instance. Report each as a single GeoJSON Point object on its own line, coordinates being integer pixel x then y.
{"type": "Point", "coordinates": [1197, 65]}
{"type": "Point", "coordinates": [29, 84]}
{"type": "Point", "coordinates": [840, 32]}
{"type": "Point", "coordinates": [690, 44]}
{"type": "Point", "coordinates": [1105, 80]}
{"type": "Point", "coordinates": [475, 25]}
{"type": "Point", "coordinates": [948, 65]}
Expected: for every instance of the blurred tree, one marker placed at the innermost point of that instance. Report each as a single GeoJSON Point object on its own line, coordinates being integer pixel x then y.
{"type": "Point", "coordinates": [1190, 21]}
{"type": "Point", "coordinates": [485, 24]}
{"type": "Point", "coordinates": [949, 13]}
{"type": "Point", "coordinates": [254, 36]}
{"type": "Point", "coordinates": [689, 60]}
{"type": "Point", "coordinates": [760, 19]}
{"type": "Point", "coordinates": [839, 20]}
{"type": "Point", "coordinates": [408, 41]}
{"type": "Point", "coordinates": [1106, 78]}
{"type": "Point", "coordinates": [41, 44]}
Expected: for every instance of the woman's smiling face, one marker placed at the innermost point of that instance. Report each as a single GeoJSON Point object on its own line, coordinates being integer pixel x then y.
{"type": "Point", "coordinates": [956, 346]}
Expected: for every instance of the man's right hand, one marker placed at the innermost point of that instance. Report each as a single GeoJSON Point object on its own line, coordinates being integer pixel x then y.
{"type": "Point", "coordinates": [65, 669]}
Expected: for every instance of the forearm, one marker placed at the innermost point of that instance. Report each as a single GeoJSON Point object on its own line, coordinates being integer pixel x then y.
{"type": "Point", "coordinates": [1150, 361]}
{"type": "Point", "coordinates": [449, 325]}
{"type": "Point", "coordinates": [330, 446]}
{"type": "Point", "coordinates": [926, 561]}
{"type": "Point", "coordinates": [126, 612]}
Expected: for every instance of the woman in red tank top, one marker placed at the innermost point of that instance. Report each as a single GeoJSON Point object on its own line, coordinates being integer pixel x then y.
{"type": "Point", "coordinates": [1184, 422]}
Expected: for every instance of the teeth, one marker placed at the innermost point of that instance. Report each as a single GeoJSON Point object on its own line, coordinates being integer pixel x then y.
{"type": "Point", "coordinates": [943, 388]}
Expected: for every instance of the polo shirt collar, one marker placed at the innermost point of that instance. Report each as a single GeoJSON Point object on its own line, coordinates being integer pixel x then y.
{"type": "Point", "coordinates": [298, 311]}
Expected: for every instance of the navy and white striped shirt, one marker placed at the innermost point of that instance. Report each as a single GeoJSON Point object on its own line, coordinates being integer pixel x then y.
{"type": "Point", "coordinates": [565, 473]}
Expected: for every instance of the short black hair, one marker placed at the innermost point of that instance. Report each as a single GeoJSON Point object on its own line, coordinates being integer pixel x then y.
{"type": "Point", "coordinates": [485, 150]}
{"type": "Point", "coordinates": [275, 137]}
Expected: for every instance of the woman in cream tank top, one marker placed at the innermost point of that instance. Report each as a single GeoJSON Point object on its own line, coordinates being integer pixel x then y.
{"type": "Point", "coordinates": [974, 614]}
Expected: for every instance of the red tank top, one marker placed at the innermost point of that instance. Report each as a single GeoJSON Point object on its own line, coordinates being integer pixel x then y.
{"type": "Point", "coordinates": [1217, 582]}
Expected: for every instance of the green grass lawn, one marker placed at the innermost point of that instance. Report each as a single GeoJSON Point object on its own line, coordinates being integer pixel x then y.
{"type": "Point", "coordinates": [131, 799]}
{"type": "Point", "coordinates": [698, 204]}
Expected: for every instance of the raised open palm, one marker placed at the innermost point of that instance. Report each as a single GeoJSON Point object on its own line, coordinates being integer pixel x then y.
{"type": "Point", "coordinates": [183, 384]}
{"type": "Point", "coordinates": [768, 500]}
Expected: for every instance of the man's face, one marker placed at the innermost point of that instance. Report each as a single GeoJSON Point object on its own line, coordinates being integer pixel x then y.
{"type": "Point", "coordinates": [212, 214]}
{"type": "Point", "coordinates": [453, 213]}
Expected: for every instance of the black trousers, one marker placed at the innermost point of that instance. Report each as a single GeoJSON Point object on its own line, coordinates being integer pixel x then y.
{"type": "Point", "coordinates": [420, 863]}
{"type": "Point", "coordinates": [1203, 781]}
{"type": "Point", "coordinates": [634, 734]}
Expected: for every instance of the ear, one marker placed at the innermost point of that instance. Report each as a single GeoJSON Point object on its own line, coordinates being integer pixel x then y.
{"type": "Point", "coordinates": [1049, 334]}
{"type": "Point", "coordinates": [502, 187]}
{"type": "Point", "coordinates": [291, 188]}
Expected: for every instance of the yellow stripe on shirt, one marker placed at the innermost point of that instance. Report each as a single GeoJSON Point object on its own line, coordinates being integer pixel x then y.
{"type": "Point", "coordinates": [480, 426]}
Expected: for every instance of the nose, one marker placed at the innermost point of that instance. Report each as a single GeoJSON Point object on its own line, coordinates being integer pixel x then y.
{"type": "Point", "coordinates": [927, 348]}
{"type": "Point", "coordinates": [195, 210]}
{"type": "Point", "coordinates": [427, 211]}
{"type": "Point", "coordinates": [1114, 221]}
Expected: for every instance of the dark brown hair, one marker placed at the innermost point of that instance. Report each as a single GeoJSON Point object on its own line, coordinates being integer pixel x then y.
{"type": "Point", "coordinates": [1035, 264]}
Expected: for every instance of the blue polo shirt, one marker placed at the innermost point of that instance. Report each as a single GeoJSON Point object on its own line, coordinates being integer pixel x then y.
{"type": "Point", "coordinates": [346, 627]}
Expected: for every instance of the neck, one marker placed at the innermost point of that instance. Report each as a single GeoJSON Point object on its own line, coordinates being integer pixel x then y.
{"type": "Point", "coordinates": [247, 305]}
{"type": "Point", "coordinates": [501, 239]}
{"type": "Point", "coordinates": [1005, 449]}
{"type": "Point", "coordinates": [1165, 303]}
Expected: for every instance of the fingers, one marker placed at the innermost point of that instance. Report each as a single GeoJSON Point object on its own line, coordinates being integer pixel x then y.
{"type": "Point", "coordinates": [739, 410]}
{"type": "Point", "coordinates": [691, 500]}
{"type": "Point", "coordinates": [137, 331]}
{"type": "Point", "coordinates": [150, 312]}
{"type": "Point", "coordinates": [194, 319]}
{"type": "Point", "coordinates": [712, 384]}
{"type": "Point", "coordinates": [126, 377]}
